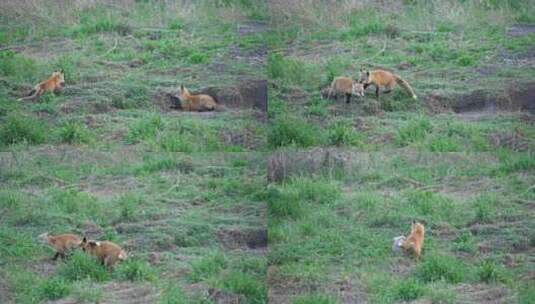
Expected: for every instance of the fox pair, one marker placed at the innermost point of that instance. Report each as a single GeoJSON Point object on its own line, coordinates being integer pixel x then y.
{"type": "Point", "coordinates": [107, 253]}
{"type": "Point", "coordinates": [412, 243]}
{"type": "Point", "coordinates": [377, 78]}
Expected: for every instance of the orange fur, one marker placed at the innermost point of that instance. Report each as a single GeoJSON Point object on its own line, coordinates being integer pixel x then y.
{"type": "Point", "coordinates": [346, 86]}
{"type": "Point", "coordinates": [108, 253]}
{"type": "Point", "coordinates": [201, 102]}
{"type": "Point", "coordinates": [385, 79]}
{"type": "Point", "coordinates": [54, 83]}
{"type": "Point", "coordinates": [62, 243]}
{"type": "Point", "coordinates": [415, 240]}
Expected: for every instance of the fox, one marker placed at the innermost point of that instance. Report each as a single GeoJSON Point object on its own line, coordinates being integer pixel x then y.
{"type": "Point", "coordinates": [108, 253]}
{"type": "Point", "coordinates": [415, 240]}
{"type": "Point", "coordinates": [200, 102]}
{"type": "Point", "coordinates": [55, 83]}
{"type": "Point", "coordinates": [382, 78]}
{"type": "Point", "coordinates": [62, 243]}
{"type": "Point", "coordinates": [347, 86]}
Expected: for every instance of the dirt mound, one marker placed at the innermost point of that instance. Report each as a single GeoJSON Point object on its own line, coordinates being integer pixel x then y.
{"type": "Point", "coordinates": [239, 239]}
{"type": "Point", "coordinates": [511, 140]}
{"type": "Point", "coordinates": [519, 97]}
{"type": "Point", "coordinates": [249, 94]}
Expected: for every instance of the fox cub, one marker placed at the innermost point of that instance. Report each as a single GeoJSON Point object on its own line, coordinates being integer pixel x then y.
{"type": "Point", "coordinates": [54, 83]}
{"type": "Point", "coordinates": [200, 102]}
{"type": "Point", "coordinates": [62, 243]}
{"type": "Point", "coordinates": [345, 86]}
{"type": "Point", "coordinates": [381, 78]}
{"type": "Point", "coordinates": [108, 253]}
{"type": "Point", "coordinates": [415, 241]}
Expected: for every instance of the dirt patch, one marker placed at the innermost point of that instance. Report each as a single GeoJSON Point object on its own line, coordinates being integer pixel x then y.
{"type": "Point", "coordinates": [46, 267]}
{"type": "Point", "coordinates": [123, 292]}
{"type": "Point", "coordinates": [282, 165]}
{"type": "Point", "coordinates": [482, 293]}
{"type": "Point", "coordinates": [515, 141]}
{"type": "Point", "coordinates": [252, 27]}
{"type": "Point", "coordinates": [517, 97]}
{"type": "Point", "coordinates": [249, 94]}
{"type": "Point", "coordinates": [242, 137]}
{"type": "Point", "coordinates": [224, 297]}
{"type": "Point", "coordinates": [239, 239]}
{"type": "Point", "coordinates": [518, 30]}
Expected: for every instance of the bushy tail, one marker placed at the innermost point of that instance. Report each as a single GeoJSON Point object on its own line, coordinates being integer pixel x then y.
{"type": "Point", "coordinates": [331, 90]}
{"type": "Point", "coordinates": [405, 85]}
{"type": "Point", "coordinates": [31, 96]}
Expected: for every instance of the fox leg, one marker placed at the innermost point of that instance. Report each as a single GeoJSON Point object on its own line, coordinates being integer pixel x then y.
{"type": "Point", "coordinates": [56, 256]}
{"type": "Point", "coordinates": [377, 92]}
{"type": "Point", "coordinates": [348, 98]}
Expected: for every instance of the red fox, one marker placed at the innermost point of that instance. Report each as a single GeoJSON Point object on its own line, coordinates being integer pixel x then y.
{"type": "Point", "coordinates": [346, 86]}
{"type": "Point", "coordinates": [54, 83]}
{"type": "Point", "coordinates": [201, 102]}
{"type": "Point", "coordinates": [415, 240]}
{"type": "Point", "coordinates": [381, 78]}
{"type": "Point", "coordinates": [62, 243]}
{"type": "Point", "coordinates": [108, 253]}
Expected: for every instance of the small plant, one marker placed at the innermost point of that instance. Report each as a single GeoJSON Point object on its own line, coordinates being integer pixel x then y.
{"type": "Point", "coordinates": [343, 133]}
{"type": "Point", "coordinates": [54, 288]}
{"type": "Point", "coordinates": [247, 285]}
{"type": "Point", "coordinates": [173, 295]}
{"type": "Point", "coordinates": [207, 267]}
{"type": "Point", "coordinates": [135, 270]}
{"type": "Point", "coordinates": [145, 128]}
{"type": "Point", "coordinates": [314, 299]}
{"type": "Point", "coordinates": [490, 272]}
{"type": "Point", "coordinates": [73, 132]}
{"type": "Point", "coordinates": [416, 130]}
{"type": "Point", "coordinates": [128, 205]}
{"type": "Point", "coordinates": [465, 242]}
{"type": "Point", "coordinates": [441, 267]}
{"type": "Point", "coordinates": [82, 266]}
{"type": "Point", "coordinates": [18, 128]}
{"type": "Point", "coordinates": [287, 130]}
{"type": "Point", "coordinates": [408, 290]}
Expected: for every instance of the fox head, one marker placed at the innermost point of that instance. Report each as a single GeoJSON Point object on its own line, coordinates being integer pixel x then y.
{"type": "Point", "coordinates": [60, 76]}
{"type": "Point", "coordinates": [417, 227]}
{"type": "Point", "coordinates": [364, 76]}
{"type": "Point", "coordinates": [89, 245]}
{"type": "Point", "coordinates": [44, 237]}
{"type": "Point", "coordinates": [183, 92]}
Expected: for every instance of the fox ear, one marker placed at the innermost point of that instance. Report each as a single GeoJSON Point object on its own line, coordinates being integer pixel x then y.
{"type": "Point", "coordinates": [367, 73]}
{"type": "Point", "coordinates": [182, 87]}
{"type": "Point", "coordinates": [84, 240]}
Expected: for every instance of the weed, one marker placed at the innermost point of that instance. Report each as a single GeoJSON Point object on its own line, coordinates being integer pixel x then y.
{"type": "Point", "coordinates": [73, 132]}
{"type": "Point", "coordinates": [247, 285]}
{"type": "Point", "coordinates": [314, 299]}
{"type": "Point", "coordinates": [490, 272]}
{"type": "Point", "coordinates": [288, 130]}
{"type": "Point", "coordinates": [408, 290]}
{"type": "Point", "coordinates": [54, 288]}
{"type": "Point", "coordinates": [173, 295]}
{"type": "Point", "coordinates": [207, 267]}
{"type": "Point", "coordinates": [415, 131]}
{"type": "Point", "coordinates": [442, 267]}
{"type": "Point", "coordinates": [135, 270]}
{"type": "Point", "coordinates": [342, 133]}
{"type": "Point", "coordinates": [82, 266]}
{"type": "Point", "coordinates": [19, 128]}
{"type": "Point", "coordinates": [145, 128]}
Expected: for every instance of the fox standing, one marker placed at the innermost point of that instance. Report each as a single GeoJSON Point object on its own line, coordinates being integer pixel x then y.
{"type": "Point", "coordinates": [415, 240]}
{"type": "Point", "coordinates": [200, 102]}
{"type": "Point", "coordinates": [62, 243]}
{"type": "Point", "coordinates": [108, 253]}
{"type": "Point", "coordinates": [54, 83]}
{"type": "Point", "coordinates": [346, 86]}
{"type": "Point", "coordinates": [381, 78]}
